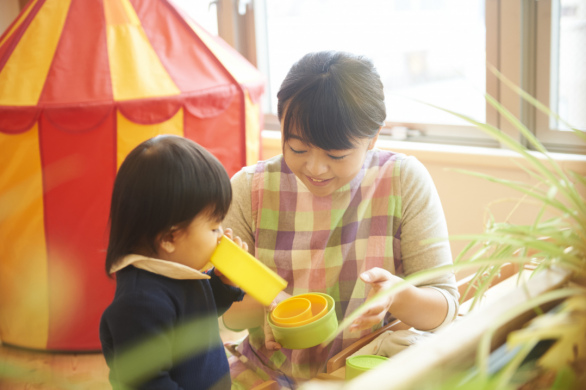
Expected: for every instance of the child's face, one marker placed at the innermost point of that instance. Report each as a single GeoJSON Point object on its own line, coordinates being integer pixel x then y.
{"type": "Point", "coordinates": [195, 244]}
{"type": "Point", "coordinates": [322, 171]}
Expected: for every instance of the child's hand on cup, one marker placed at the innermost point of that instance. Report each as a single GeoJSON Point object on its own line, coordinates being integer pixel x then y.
{"type": "Point", "coordinates": [228, 233]}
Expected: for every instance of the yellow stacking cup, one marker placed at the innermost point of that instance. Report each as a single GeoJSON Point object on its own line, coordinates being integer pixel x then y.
{"type": "Point", "coordinates": [255, 278]}
{"type": "Point", "coordinates": [291, 311]}
{"type": "Point", "coordinates": [299, 310]}
{"type": "Point", "coordinates": [319, 306]}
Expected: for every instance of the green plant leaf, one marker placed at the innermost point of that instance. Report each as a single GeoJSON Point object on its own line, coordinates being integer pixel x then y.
{"type": "Point", "coordinates": [534, 102]}
{"type": "Point", "coordinates": [516, 122]}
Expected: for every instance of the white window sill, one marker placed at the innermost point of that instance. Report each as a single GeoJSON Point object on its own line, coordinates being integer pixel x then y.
{"type": "Point", "coordinates": [449, 155]}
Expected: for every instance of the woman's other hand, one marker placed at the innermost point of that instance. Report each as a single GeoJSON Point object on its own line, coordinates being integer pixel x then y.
{"type": "Point", "coordinates": [228, 233]}
{"type": "Point", "coordinates": [270, 342]}
{"type": "Point", "coordinates": [379, 279]}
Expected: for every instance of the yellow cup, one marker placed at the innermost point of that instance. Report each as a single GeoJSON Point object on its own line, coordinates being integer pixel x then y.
{"type": "Point", "coordinates": [258, 280]}
{"type": "Point", "coordinates": [284, 314]}
{"type": "Point", "coordinates": [319, 307]}
{"type": "Point", "coordinates": [291, 311]}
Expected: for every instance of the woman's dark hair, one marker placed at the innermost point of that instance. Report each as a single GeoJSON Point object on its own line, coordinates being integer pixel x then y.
{"type": "Point", "coordinates": [164, 182]}
{"type": "Point", "coordinates": [331, 99]}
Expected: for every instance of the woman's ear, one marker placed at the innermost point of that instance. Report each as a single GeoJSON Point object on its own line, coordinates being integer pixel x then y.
{"type": "Point", "coordinates": [374, 139]}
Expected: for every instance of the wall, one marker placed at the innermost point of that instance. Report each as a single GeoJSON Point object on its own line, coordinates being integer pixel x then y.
{"type": "Point", "coordinates": [466, 199]}
{"type": "Point", "coordinates": [9, 10]}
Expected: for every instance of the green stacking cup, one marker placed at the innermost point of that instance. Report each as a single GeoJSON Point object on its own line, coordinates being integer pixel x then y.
{"type": "Point", "coordinates": [307, 335]}
{"type": "Point", "coordinates": [356, 365]}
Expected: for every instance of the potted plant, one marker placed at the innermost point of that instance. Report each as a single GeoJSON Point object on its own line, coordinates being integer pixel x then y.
{"type": "Point", "coordinates": [554, 242]}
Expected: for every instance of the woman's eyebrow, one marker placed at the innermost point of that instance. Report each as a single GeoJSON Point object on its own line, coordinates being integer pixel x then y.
{"type": "Point", "coordinates": [293, 136]}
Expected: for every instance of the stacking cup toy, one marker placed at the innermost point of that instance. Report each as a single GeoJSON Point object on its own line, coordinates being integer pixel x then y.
{"type": "Point", "coordinates": [356, 365]}
{"type": "Point", "coordinates": [309, 334]}
{"type": "Point", "coordinates": [292, 311]}
{"type": "Point", "coordinates": [318, 308]}
{"type": "Point", "coordinates": [258, 280]}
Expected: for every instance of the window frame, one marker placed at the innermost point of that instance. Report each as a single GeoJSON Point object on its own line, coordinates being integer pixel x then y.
{"type": "Point", "coordinates": [555, 140]}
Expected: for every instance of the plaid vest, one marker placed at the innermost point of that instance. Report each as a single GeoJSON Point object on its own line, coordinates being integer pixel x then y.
{"type": "Point", "coordinates": [322, 244]}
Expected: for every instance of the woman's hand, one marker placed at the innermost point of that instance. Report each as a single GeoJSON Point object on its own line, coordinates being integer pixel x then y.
{"type": "Point", "coordinates": [270, 342]}
{"type": "Point", "coordinates": [228, 233]}
{"type": "Point", "coordinates": [379, 279]}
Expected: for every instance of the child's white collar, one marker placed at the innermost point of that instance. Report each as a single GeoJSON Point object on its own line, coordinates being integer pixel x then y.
{"type": "Point", "coordinates": [160, 267]}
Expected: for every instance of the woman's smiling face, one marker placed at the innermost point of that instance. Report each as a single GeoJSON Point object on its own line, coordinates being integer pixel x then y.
{"type": "Point", "coordinates": [324, 171]}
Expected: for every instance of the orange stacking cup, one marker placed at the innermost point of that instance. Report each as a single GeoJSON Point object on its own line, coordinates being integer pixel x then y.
{"type": "Point", "coordinates": [319, 306]}
{"type": "Point", "coordinates": [299, 310]}
{"type": "Point", "coordinates": [291, 311]}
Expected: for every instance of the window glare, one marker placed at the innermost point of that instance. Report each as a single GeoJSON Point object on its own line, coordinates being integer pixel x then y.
{"type": "Point", "coordinates": [568, 78]}
{"type": "Point", "coordinates": [433, 51]}
{"type": "Point", "coordinates": [202, 11]}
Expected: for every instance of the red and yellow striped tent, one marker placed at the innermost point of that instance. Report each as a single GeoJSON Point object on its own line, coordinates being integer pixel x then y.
{"type": "Point", "coordinates": [82, 82]}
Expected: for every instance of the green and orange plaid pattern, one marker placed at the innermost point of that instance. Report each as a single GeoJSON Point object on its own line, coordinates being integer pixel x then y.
{"type": "Point", "coordinates": [323, 244]}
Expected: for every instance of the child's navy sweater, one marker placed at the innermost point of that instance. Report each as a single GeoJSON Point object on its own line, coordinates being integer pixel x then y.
{"type": "Point", "coordinates": [178, 319]}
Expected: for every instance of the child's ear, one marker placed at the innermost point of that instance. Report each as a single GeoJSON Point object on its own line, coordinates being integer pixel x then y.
{"type": "Point", "coordinates": [166, 242]}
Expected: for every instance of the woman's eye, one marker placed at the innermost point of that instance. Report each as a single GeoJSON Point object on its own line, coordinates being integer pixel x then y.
{"type": "Point", "coordinates": [296, 151]}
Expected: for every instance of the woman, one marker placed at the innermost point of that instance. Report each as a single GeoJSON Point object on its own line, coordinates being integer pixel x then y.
{"type": "Point", "coordinates": [333, 214]}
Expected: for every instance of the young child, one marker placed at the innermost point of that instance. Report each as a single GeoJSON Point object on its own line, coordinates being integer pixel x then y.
{"type": "Point", "coordinates": [161, 330]}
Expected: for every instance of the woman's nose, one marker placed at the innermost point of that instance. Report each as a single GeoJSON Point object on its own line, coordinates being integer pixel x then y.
{"type": "Point", "coordinates": [316, 166]}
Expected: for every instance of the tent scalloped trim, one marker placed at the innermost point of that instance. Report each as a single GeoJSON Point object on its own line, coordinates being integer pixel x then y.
{"type": "Point", "coordinates": [85, 117]}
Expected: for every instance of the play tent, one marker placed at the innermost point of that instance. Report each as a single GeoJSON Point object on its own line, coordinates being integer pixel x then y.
{"type": "Point", "coordinates": [82, 82]}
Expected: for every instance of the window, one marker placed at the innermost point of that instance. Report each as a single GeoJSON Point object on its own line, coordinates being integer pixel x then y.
{"type": "Point", "coordinates": [435, 51]}
{"type": "Point", "coordinates": [561, 75]}
{"type": "Point", "coordinates": [431, 51]}
{"type": "Point", "coordinates": [421, 49]}
{"type": "Point", "coordinates": [203, 12]}
{"type": "Point", "coordinates": [568, 77]}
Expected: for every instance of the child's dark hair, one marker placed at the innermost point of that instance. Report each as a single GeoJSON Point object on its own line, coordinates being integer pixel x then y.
{"type": "Point", "coordinates": [331, 99]}
{"type": "Point", "coordinates": [164, 182]}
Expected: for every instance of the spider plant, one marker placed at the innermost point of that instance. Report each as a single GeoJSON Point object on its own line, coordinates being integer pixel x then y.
{"type": "Point", "coordinates": [558, 241]}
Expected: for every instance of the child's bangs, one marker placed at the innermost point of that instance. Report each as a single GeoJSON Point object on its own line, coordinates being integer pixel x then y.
{"type": "Point", "coordinates": [219, 205]}
{"type": "Point", "coordinates": [211, 190]}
